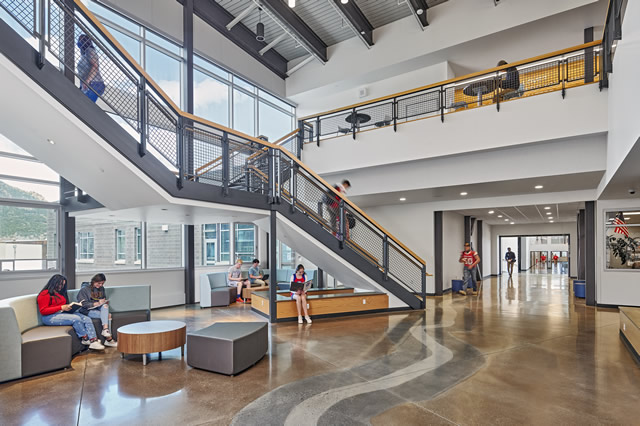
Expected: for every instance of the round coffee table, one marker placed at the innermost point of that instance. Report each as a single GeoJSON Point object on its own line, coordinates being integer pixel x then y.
{"type": "Point", "coordinates": [151, 336]}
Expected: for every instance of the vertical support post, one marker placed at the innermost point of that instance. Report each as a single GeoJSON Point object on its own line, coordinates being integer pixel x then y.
{"type": "Point", "coordinates": [519, 255]}
{"type": "Point", "coordinates": [300, 139]}
{"type": "Point", "coordinates": [320, 278]}
{"type": "Point", "coordinates": [225, 163]}
{"type": "Point", "coordinates": [278, 173]}
{"type": "Point", "coordinates": [479, 245]}
{"type": "Point", "coordinates": [271, 177]}
{"type": "Point", "coordinates": [423, 305]}
{"type": "Point", "coordinates": [42, 47]}
{"type": "Point", "coordinates": [498, 84]}
{"type": "Point", "coordinates": [441, 104]}
{"type": "Point", "coordinates": [588, 56]}
{"type": "Point", "coordinates": [354, 122]}
{"type": "Point", "coordinates": [467, 231]}
{"type": "Point", "coordinates": [142, 116]}
{"type": "Point", "coordinates": [563, 75]}
{"type": "Point", "coordinates": [438, 258]}
{"type": "Point", "coordinates": [385, 257]}
{"type": "Point", "coordinates": [180, 131]}
{"type": "Point", "coordinates": [395, 114]}
{"type": "Point", "coordinates": [189, 265]}
{"type": "Point", "coordinates": [581, 245]}
{"type": "Point", "coordinates": [293, 186]}
{"type": "Point", "coordinates": [273, 266]}
{"type": "Point", "coordinates": [341, 228]}
{"type": "Point", "coordinates": [590, 252]}
{"type": "Point", "coordinates": [67, 247]}
{"type": "Point", "coordinates": [318, 131]}
{"type": "Point", "coordinates": [187, 34]}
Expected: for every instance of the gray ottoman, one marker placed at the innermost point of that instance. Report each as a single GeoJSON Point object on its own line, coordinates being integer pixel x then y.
{"type": "Point", "coordinates": [227, 347]}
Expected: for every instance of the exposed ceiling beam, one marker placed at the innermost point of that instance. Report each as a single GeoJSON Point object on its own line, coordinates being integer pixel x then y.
{"type": "Point", "coordinates": [416, 6]}
{"type": "Point", "coordinates": [241, 16]}
{"type": "Point", "coordinates": [356, 19]}
{"type": "Point", "coordinates": [302, 63]}
{"type": "Point", "coordinates": [218, 18]}
{"type": "Point", "coordinates": [279, 10]}
{"type": "Point", "coordinates": [273, 43]}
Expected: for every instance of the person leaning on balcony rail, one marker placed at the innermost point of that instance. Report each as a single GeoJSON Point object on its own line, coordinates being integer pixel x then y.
{"type": "Point", "coordinates": [89, 69]}
{"type": "Point", "coordinates": [333, 202]}
{"type": "Point", "coordinates": [510, 82]}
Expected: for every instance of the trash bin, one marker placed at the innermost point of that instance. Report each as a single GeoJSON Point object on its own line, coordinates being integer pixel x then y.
{"type": "Point", "coordinates": [456, 285]}
{"type": "Point", "coordinates": [579, 288]}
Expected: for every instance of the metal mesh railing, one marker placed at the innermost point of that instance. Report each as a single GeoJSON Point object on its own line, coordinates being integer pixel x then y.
{"type": "Point", "coordinates": [555, 72]}
{"type": "Point", "coordinates": [23, 11]}
{"type": "Point", "coordinates": [198, 151]}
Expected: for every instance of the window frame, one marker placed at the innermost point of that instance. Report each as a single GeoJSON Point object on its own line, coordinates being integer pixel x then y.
{"type": "Point", "coordinates": [121, 246]}
{"type": "Point", "coordinates": [79, 246]}
{"type": "Point", "coordinates": [255, 240]}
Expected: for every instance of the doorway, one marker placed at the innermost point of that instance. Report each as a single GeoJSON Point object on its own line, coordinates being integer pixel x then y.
{"type": "Point", "coordinates": [546, 254]}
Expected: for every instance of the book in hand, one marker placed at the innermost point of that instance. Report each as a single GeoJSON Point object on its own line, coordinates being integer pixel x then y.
{"type": "Point", "coordinates": [74, 307]}
{"type": "Point", "coordinates": [305, 286]}
{"type": "Point", "coordinates": [99, 306]}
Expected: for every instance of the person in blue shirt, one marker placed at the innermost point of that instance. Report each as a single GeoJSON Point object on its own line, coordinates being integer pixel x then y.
{"type": "Point", "coordinates": [510, 257]}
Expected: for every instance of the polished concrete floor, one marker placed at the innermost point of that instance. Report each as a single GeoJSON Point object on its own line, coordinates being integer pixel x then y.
{"type": "Point", "coordinates": [522, 352]}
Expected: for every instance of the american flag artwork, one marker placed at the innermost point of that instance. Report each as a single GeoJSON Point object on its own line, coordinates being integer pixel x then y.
{"type": "Point", "coordinates": [620, 225]}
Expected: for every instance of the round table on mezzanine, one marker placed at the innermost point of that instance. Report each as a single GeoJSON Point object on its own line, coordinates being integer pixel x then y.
{"type": "Point", "coordinates": [480, 88]}
{"type": "Point", "coordinates": [357, 118]}
{"type": "Point", "coordinates": [151, 336]}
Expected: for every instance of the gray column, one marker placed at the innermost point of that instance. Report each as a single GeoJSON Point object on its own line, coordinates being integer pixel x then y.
{"type": "Point", "coordinates": [519, 255]}
{"type": "Point", "coordinates": [588, 56]}
{"type": "Point", "coordinates": [581, 244]}
{"type": "Point", "coordinates": [438, 239]}
{"type": "Point", "coordinates": [189, 265]}
{"type": "Point", "coordinates": [67, 247]}
{"type": "Point", "coordinates": [590, 251]}
{"type": "Point", "coordinates": [479, 244]}
{"type": "Point", "coordinates": [273, 267]}
{"type": "Point", "coordinates": [467, 229]}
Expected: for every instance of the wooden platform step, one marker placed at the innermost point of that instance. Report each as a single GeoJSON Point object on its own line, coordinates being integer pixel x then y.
{"type": "Point", "coordinates": [630, 330]}
{"type": "Point", "coordinates": [323, 302]}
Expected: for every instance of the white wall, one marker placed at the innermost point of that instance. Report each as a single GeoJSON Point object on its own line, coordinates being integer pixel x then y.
{"type": "Point", "coordinates": [452, 246]}
{"type": "Point", "coordinates": [533, 229]}
{"type": "Point", "coordinates": [165, 16]}
{"type": "Point", "coordinates": [614, 287]}
{"type": "Point", "coordinates": [624, 90]}
{"type": "Point", "coordinates": [167, 285]}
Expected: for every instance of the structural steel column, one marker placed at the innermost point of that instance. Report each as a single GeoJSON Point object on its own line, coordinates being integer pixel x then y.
{"type": "Point", "coordinates": [581, 244]}
{"type": "Point", "coordinates": [479, 248]}
{"type": "Point", "coordinates": [590, 251]}
{"type": "Point", "coordinates": [189, 265]}
{"type": "Point", "coordinates": [518, 256]}
{"type": "Point", "coordinates": [273, 266]}
{"type": "Point", "coordinates": [437, 267]}
{"type": "Point", "coordinates": [467, 230]}
{"type": "Point", "coordinates": [67, 247]}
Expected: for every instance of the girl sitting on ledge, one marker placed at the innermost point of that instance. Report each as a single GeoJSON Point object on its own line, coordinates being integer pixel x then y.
{"type": "Point", "coordinates": [300, 296]}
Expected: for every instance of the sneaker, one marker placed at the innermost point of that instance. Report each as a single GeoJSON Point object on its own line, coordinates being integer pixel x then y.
{"type": "Point", "coordinates": [111, 343]}
{"type": "Point", "coordinates": [96, 345]}
{"type": "Point", "coordinates": [462, 292]}
{"type": "Point", "coordinates": [308, 319]}
{"type": "Point", "coordinates": [106, 333]}
{"type": "Point", "coordinates": [86, 341]}
{"type": "Point", "coordinates": [474, 292]}
{"type": "Point", "coordinates": [239, 300]}
{"type": "Point", "coordinates": [300, 320]}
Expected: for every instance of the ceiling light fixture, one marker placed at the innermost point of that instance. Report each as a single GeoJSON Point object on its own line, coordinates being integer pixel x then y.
{"type": "Point", "coordinates": [419, 12]}
{"type": "Point", "coordinates": [499, 215]}
{"type": "Point", "coordinates": [260, 26]}
{"type": "Point", "coordinates": [549, 213]}
{"type": "Point", "coordinates": [550, 221]}
{"type": "Point", "coordinates": [538, 187]}
{"type": "Point", "coordinates": [403, 199]}
{"type": "Point", "coordinates": [292, 3]}
{"type": "Point", "coordinates": [550, 217]}
{"type": "Point", "coordinates": [491, 212]}
{"type": "Point", "coordinates": [344, 1]}
{"type": "Point", "coordinates": [463, 193]}
{"type": "Point", "coordinates": [547, 208]}
{"type": "Point", "coordinates": [513, 223]}
{"type": "Point", "coordinates": [506, 220]}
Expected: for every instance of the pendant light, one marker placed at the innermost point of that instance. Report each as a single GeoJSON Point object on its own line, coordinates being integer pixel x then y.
{"type": "Point", "coordinates": [260, 27]}
{"type": "Point", "coordinates": [292, 3]}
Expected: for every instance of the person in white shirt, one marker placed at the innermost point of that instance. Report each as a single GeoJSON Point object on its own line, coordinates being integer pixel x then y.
{"type": "Point", "coordinates": [236, 280]}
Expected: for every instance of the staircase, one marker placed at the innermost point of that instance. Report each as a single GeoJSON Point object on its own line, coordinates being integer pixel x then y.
{"type": "Point", "coordinates": [197, 160]}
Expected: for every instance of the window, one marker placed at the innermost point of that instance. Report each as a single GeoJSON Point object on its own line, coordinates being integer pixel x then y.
{"type": "Point", "coordinates": [210, 98]}
{"type": "Point", "coordinates": [243, 112]}
{"type": "Point", "coordinates": [622, 236]}
{"type": "Point", "coordinates": [287, 256]}
{"type": "Point", "coordinates": [138, 240]}
{"type": "Point", "coordinates": [27, 238]}
{"type": "Point", "coordinates": [210, 243]}
{"type": "Point", "coordinates": [273, 123]}
{"type": "Point", "coordinates": [121, 254]}
{"type": "Point", "coordinates": [225, 243]}
{"type": "Point", "coordinates": [245, 241]}
{"type": "Point", "coordinates": [165, 70]}
{"type": "Point", "coordinates": [84, 246]}
{"type": "Point", "coordinates": [130, 44]}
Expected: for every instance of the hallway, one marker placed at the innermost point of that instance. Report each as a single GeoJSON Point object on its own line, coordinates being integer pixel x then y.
{"type": "Point", "coordinates": [522, 352]}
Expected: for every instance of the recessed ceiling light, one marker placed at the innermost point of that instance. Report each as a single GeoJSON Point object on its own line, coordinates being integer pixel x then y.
{"type": "Point", "coordinates": [550, 221]}
{"type": "Point", "coordinates": [549, 213]}
{"type": "Point", "coordinates": [499, 215]}
{"type": "Point", "coordinates": [491, 212]}
{"type": "Point", "coordinates": [292, 3]}
{"type": "Point", "coordinates": [627, 218]}
{"type": "Point", "coordinates": [547, 208]}
{"type": "Point", "coordinates": [419, 11]}
{"type": "Point", "coordinates": [403, 199]}
{"type": "Point", "coordinates": [513, 223]}
{"type": "Point", "coordinates": [538, 187]}
{"type": "Point", "coordinates": [463, 193]}
{"type": "Point", "coordinates": [344, 1]}
{"type": "Point", "coordinates": [550, 217]}
{"type": "Point", "coordinates": [51, 141]}
{"type": "Point", "coordinates": [506, 220]}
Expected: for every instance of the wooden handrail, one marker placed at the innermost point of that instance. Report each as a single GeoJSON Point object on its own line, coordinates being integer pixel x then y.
{"type": "Point", "coordinates": [457, 79]}
{"type": "Point", "coordinates": [329, 188]}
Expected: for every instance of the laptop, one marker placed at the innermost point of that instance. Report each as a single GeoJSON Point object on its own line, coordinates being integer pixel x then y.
{"type": "Point", "coordinates": [265, 277]}
{"type": "Point", "coordinates": [305, 286]}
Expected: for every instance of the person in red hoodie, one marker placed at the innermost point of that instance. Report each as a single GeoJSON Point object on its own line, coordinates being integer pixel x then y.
{"type": "Point", "coordinates": [53, 304]}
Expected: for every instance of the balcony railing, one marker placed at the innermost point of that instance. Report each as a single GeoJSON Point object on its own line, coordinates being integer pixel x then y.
{"type": "Point", "coordinates": [198, 150]}
{"type": "Point", "coordinates": [556, 71]}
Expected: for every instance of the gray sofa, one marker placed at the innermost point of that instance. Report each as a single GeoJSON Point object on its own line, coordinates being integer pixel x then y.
{"type": "Point", "coordinates": [215, 291]}
{"type": "Point", "coordinates": [27, 347]}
